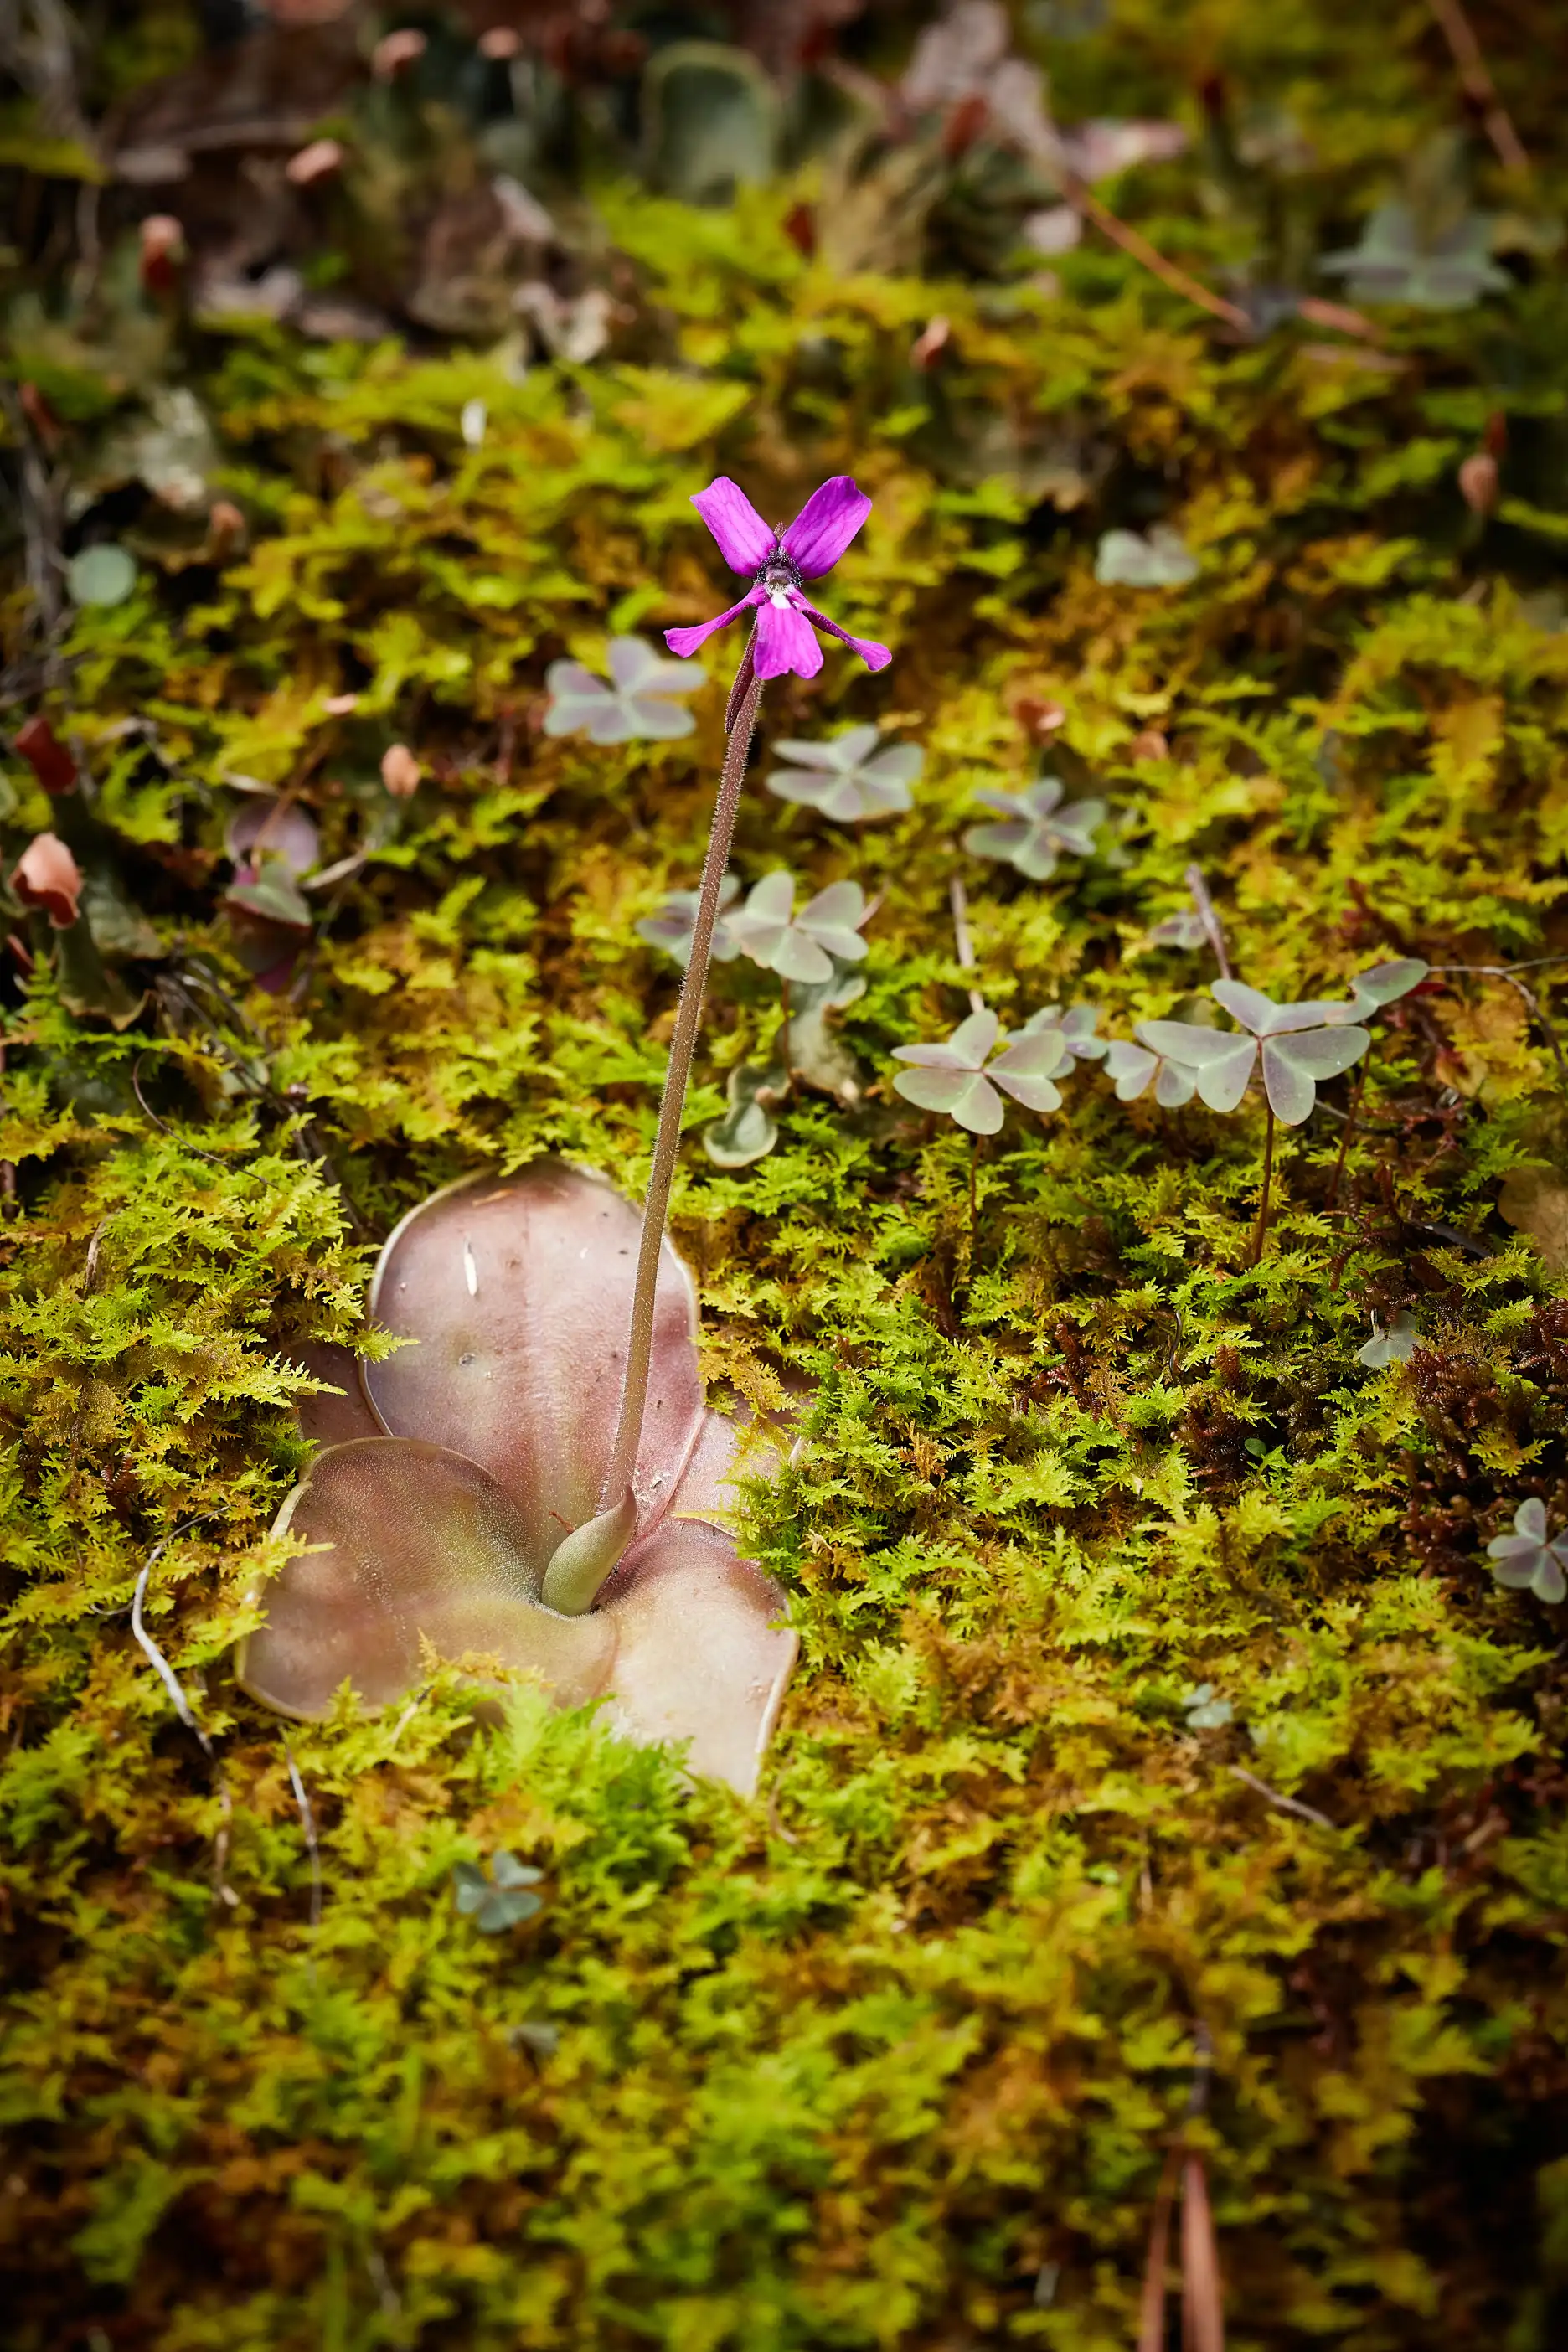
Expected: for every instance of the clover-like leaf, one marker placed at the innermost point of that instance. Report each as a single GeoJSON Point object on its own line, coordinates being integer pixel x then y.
{"type": "Point", "coordinates": [805, 947]}
{"type": "Point", "coordinates": [670, 929]}
{"type": "Point", "coordinates": [497, 1422]}
{"type": "Point", "coordinates": [1131, 1065]}
{"type": "Point", "coordinates": [1297, 1045]}
{"type": "Point", "coordinates": [1384, 983]}
{"type": "Point", "coordinates": [847, 778]}
{"type": "Point", "coordinates": [502, 1900]}
{"type": "Point", "coordinates": [634, 705]}
{"type": "Point", "coordinates": [1159, 558]}
{"type": "Point", "coordinates": [1204, 1711]}
{"type": "Point", "coordinates": [1394, 261]}
{"type": "Point", "coordinates": [1077, 1026]}
{"type": "Point", "coordinates": [1394, 1346]}
{"type": "Point", "coordinates": [1530, 1560]}
{"type": "Point", "coordinates": [1035, 830]}
{"type": "Point", "coordinates": [960, 1076]}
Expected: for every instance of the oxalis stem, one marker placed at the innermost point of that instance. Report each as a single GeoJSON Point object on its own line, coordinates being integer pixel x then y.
{"type": "Point", "coordinates": [585, 1557]}
{"type": "Point", "coordinates": [1262, 1226]}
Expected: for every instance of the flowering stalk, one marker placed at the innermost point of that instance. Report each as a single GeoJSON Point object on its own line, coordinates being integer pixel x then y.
{"type": "Point", "coordinates": [782, 640]}
{"type": "Point", "coordinates": [682, 1044]}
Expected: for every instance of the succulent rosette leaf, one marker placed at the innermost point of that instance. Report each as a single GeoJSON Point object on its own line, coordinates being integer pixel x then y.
{"type": "Point", "coordinates": [452, 1470]}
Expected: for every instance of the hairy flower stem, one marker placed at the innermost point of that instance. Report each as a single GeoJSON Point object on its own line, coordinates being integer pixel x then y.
{"type": "Point", "coordinates": [667, 1144]}
{"type": "Point", "coordinates": [1262, 1224]}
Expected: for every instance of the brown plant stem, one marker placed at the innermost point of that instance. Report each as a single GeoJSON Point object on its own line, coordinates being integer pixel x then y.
{"type": "Point", "coordinates": [682, 1044]}
{"type": "Point", "coordinates": [1199, 888]}
{"type": "Point", "coordinates": [1479, 85]}
{"type": "Point", "coordinates": [1084, 200]}
{"type": "Point", "coordinates": [1261, 1228]}
{"type": "Point", "coordinates": [1349, 1126]}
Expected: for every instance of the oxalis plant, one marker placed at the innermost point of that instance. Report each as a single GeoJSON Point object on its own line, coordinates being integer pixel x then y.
{"type": "Point", "coordinates": [536, 1481]}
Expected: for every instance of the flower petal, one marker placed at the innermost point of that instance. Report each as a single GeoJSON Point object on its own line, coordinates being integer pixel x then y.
{"type": "Point", "coordinates": [786, 642]}
{"type": "Point", "coordinates": [685, 642]}
{"type": "Point", "coordinates": [874, 655]}
{"type": "Point", "coordinates": [745, 542]}
{"type": "Point", "coordinates": [825, 526]}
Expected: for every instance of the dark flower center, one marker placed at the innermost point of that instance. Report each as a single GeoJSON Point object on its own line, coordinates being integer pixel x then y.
{"type": "Point", "coordinates": [780, 570]}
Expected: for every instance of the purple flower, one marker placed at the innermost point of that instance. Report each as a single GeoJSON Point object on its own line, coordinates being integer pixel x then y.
{"type": "Point", "coordinates": [780, 561]}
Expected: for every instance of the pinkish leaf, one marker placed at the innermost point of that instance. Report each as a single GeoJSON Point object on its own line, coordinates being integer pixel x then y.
{"type": "Point", "coordinates": [515, 1293]}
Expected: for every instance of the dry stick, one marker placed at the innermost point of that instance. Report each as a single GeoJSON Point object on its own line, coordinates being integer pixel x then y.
{"type": "Point", "coordinates": [1193, 878]}
{"type": "Point", "coordinates": [958, 899]}
{"type": "Point", "coordinates": [1478, 84]}
{"type": "Point", "coordinates": [1261, 1228]}
{"type": "Point", "coordinates": [1083, 200]}
{"type": "Point", "coordinates": [1282, 1804]}
{"type": "Point", "coordinates": [308, 1819]}
{"type": "Point", "coordinates": [181, 1705]}
{"type": "Point", "coordinates": [1532, 1002]}
{"type": "Point", "coordinates": [1349, 1126]}
{"type": "Point", "coordinates": [682, 1044]}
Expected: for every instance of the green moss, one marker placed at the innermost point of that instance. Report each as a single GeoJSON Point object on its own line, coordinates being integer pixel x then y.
{"type": "Point", "coordinates": [873, 2061]}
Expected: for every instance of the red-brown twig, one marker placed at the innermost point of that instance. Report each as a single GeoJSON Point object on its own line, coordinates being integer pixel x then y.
{"type": "Point", "coordinates": [1134, 243]}
{"type": "Point", "coordinates": [1478, 84]}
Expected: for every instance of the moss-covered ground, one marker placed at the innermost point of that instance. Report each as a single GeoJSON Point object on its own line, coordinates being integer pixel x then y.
{"type": "Point", "coordinates": [896, 2054]}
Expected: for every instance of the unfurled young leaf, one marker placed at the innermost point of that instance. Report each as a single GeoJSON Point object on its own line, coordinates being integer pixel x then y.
{"type": "Point", "coordinates": [636, 705]}
{"type": "Point", "coordinates": [1159, 558]}
{"type": "Point", "coordinates": [846, 777]}
{"type": "Point", "coordinates": [671, 928]}
{"type": "Point", "coordinates": [961, 1075]}
{"type": "Point", "coordinates": [747, 1132]}
{"type": "Point", "coordinates": [503, 1899]}
{"type": "Point", "coordinates": [1394, 1346]}
{"type": "Point", "coordinates": [1527, 1560]}
{"type": "Point", "coordinates": [1035, 830]}
{"type": "Point", "coordinates": [803, 947]}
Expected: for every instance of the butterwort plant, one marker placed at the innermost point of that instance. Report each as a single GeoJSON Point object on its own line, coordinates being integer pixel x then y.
{"type": "Point", "coordinates": [783, 640]}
